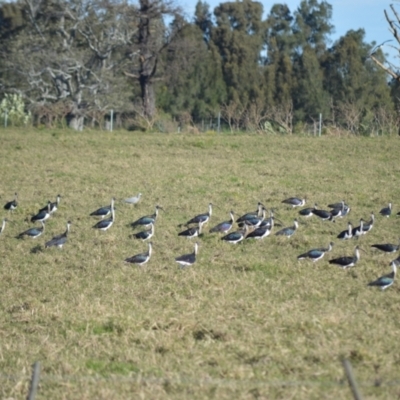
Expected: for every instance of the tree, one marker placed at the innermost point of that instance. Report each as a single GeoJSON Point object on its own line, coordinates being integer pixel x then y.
{"type": "Point", "coordinates": [278, 68]}
{"type": "Point", "coordinates": [151, 41]}
{"type": "Point", "coordinates": [74, 53]}
{"type": "Point", "coordinates": [239, 36]}
{"type": "Point", "coordinates": [353, 80]}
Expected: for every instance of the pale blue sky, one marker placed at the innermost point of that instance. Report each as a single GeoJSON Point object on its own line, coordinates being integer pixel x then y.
{"type": "Point", "coordinates": [347, 14]}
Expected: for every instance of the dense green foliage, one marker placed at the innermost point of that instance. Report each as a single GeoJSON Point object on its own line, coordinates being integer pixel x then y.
{"type": "Point", "coordinates": [86, 58]}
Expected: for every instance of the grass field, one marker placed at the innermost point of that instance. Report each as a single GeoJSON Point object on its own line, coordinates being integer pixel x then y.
{"type": "Point", "coordinates": [247, 321]}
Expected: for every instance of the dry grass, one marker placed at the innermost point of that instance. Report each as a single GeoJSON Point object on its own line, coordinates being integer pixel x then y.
{"type": "Point", "coordinates": [247, 321]}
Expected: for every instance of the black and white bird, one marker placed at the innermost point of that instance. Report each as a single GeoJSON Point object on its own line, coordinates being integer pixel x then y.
{"type": "Point", "coordinates": [142, 258]}
{"type": "Point", "coordinates": [338, 212]}
{"type": "Point", "coordinates": [237, 236]}
{"type": "Point", "coordinates": [53, 205]}
{"type": "Point", "coordinates": [59, 240]}
{"type": "Point", "coordinates": [323, 214]}
{"type": "Point", "coordinates": [347, 261]}
{"type": "Point", "coordinates": [105, 224]}
{"type": "Point", "coordinates": [342, 206]}
{"type": "Point", "coordinates": [260, 232]}
{"type": "Point", "coordinates": [386, 211]}
{"type": "Point", "coordinates": [146, 234]}
{"type": "Point", "coordinates": [367, 226]}
{"type": "Point", "coordinates": [358, 231]}
{"type": "Point", "coordinates": [32, 232]}
{"type": "Point", "coordinates": [289, 231]}
{"type": "Point", "coordinates": [105, 211]}
{"type": "Point", "coordinates": [13, 204]}
{"type": "Point", "coordinates": [204, 218]}
{"type": "Point", "coordinates": [42, 215]}
{"type": "Point", "coordinates": [386, 280]}
{"type": "Point", "coordinates": [224, 227]}
{"type": "Point", "coordinates": [188, 259]}
{"type": "Point", "coordinates": [133, 199]}
{"type": "Point", "coordinates": [387, 247]}
{"type": "Point", "coordinates": [316, 254]}
{"type": "Point", "coordinates": [295, 202]}
{"type": "Point", "coordinates": [250, 215]}
{"type": "Point", "coordinates": [147, 220]}
{"type": "Point", "coordinates": [254, 222]}
{"type": "Point", "coordinates": [307, 212]}
{"type": "Point", "coordinates": [346, 234]}
{"type": "Point", "coordinates": [192, 232]}
{"type": "Point", "coordinates": [3, 225]}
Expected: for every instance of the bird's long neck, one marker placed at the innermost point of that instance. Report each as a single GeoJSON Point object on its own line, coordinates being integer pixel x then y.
{"type": "Point", "coordinates": [210, 209]}
{"type": "Point", "coordinates": [150, 249]}
{"type": "Point", "coordinates": [357, 254]}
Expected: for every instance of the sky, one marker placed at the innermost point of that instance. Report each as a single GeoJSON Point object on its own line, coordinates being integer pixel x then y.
{"type": "Point", "coordinates": [347, 15]}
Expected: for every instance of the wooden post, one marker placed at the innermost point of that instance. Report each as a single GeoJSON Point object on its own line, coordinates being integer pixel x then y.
{"type": "Point", "coordinates": [34, 381]}
{"type": "Point", "coordinates": [352, 382]}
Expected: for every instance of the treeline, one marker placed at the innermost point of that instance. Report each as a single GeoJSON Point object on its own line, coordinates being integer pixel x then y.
{"type": "Point", "coordinates": [78, 60]}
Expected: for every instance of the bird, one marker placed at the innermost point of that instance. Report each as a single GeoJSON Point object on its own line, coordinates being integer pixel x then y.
{"type": "Point", "coordinates": [367, 226]}
{"type": "Point", "coordinates": [201, 217]}
{"type": "Point", "coordinates": [53, 205]}
{"type": "Point", "coordinates": [323, 214]}
{"type": "Point", "coordinates": [341, 205]}
{"type": "Point", "coordinates": [254, 222]}
{"type": "Point", "coordinates": [386, 280]}
{"type": "Point", "coordinates": [386, 211]}
{"type": "Point", "coordinates": [134, 199]}
{"type": "Point", "coordinates": [358, 230]}
{"type": "Point", "coordinates": [103, 211]}
{"type": "Point", "coordinates": [295, 202]}
{"type": "Point", "coordinates": [224, 227]}
{"type": "Point", "coordinates": [146, 234]}
{"type": "Point", "coordinates": [347, 261]}
{"type": "Point", "coordinates": [59, 240]}
{"type": "Point", "coordinates": [188, 259]}
{"type": "Point", "coordinates": [147, 220]}
{"type": "Point", "coordinates": [347, 233]}
{"type": "Point", "coordinates": [268, 222]}
{"type": "Point", "coordinates": [289, 231]}
{"type": "Point", "coordinates": [105, 224]}
{"type": "Point", "coordinates": [316, 254]}
{"type": "Point", "coordinates": [3, 225]}
{"type": "Point", "coordinates": [142, 258]}
{"type": "Point", "coordinates": [13, 204]}
{"type": "Point", "coordinates": [387, 247]}
{"type": "Point", "coordinates": [42, 215]}
{"type": "Point", "coordinates": [249, 215]}
{"type": "Point", "coordinates": [193, 231]}
{"type": "Point", "coordinates": [237, 236]}
{"type": "Point", "coordinates": [338, 212]}
{"type": "Point", "coordinates": [32, 232]}
{"type": "Point", "coordinates": [307, 212]}
{"type": "Point", "coordinates": [260, 232]}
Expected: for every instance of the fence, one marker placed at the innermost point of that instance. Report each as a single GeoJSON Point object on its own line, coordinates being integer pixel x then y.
{"type": "Point", "coordinates": [354, 386]}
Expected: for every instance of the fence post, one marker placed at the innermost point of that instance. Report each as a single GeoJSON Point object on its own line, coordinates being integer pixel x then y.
{"type": "Point", "coordinates": [5, 118]}
{"type": "Point", "coordinates": [350, 377]}
{"type": "Point", "coordinates": [34, 381]}
{"type": "Point", "coordinates": [320, 124]}
{"type": "Point", "coordinates": [219, 122]}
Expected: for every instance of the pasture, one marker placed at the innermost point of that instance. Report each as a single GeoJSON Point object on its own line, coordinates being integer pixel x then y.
{"type": "Point", "coordinates": [247, 321]}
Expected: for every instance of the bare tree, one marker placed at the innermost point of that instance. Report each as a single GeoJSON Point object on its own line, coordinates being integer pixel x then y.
{"type": "Point", "coordinates": [75, 50]}
{"type": "Point", "coordinates": [394, 24]}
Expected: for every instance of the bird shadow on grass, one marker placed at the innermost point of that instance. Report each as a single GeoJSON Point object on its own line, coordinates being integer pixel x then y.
{"type": "Point", "coordinates": [37, 249]}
